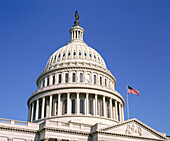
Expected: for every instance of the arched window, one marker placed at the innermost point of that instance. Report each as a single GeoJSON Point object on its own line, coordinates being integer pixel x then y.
{"type": "Point", "coordinates": [69, 54]}
{"type": "Point", "coordinates": [100, 80]}
{"type": "Point", "coordinates": [88, 78]}
{"type": "Point", "coordinates": [81, 77]}
{"type": "Point", "coordinates": [74, 77]}
{"type": "Point", "coordinates": [90, 106]}
{"type": "Point", "coordinates": [66, 78]}
{"type": "Point", "coordinates": [106, 82]}
{"type": "Point", "coordinates": [53, 79]}
{"type": "Point", "coordinates": [73, 106]}
{"type": "Point", "coordinates": [43, 83]}
{"type": "Point", "coordinates": [94, 79]}
{"type": "Point", "coordinates": [59, 78]}
{"type": "Point", "coordinates": [48, 81]}
{"type": "Point", "coordinates": [82, 106]}
{"type": "Point", "coordinates": [64, 110]}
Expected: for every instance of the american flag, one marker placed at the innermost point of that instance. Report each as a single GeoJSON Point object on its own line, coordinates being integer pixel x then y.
{"type": "Point", "coordinates": [132, 91]}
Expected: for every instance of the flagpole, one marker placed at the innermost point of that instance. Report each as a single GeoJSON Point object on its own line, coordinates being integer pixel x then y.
{"type": "Point", "coordinates": [127, 101]}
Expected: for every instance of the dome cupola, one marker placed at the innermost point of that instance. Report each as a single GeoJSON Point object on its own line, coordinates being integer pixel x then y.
{"type": "Point", "coordinates": [76, 31]}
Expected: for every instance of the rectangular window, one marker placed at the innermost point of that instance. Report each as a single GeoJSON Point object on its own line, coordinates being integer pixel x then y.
{"type": "Point", "coordinates": [82, 106]}
{"type": "Point", "coordinates": [66, 78]}
{"type": "Point", "coordinates": [48, 81]}
{"type": "Point", "coordinates": [94, 79]}
{"type": "Point", "coordinates": [59, 78]}
{"type": "Point", "coordinates": [73, 106]}
{"type": "Point", "coordinates": [53, 79]}
{"type": "Point", "coordinates": [43, 83]}
{"type": "Point", "coordinates": [74, 77]}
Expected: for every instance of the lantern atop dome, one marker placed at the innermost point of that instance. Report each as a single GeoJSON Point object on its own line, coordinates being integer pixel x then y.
{"type": "Point", "coordinates": [76, 31]}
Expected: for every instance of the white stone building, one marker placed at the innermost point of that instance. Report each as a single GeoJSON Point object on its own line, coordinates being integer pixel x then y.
{"type": "Point", "coordinates": [76, 100]}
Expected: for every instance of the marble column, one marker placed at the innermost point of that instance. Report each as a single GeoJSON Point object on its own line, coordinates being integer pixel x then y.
{"type": "Point", "coordinates": [111, 114]}
{"type": "Point", "coordinates": [59, 104]}
{"type": "Point", "coordinates": [54, 106]}
{"type": "Point", "coordinates": [96, 104]}
{"type": "Point", "coordinates": [68, 103]}
{"type": "Point", "coordinates": [43, 105]}
{"type": "Point", "coordinates": [104, 107]}
{"type": "Point", "coordinates": [50, 105]}
{"type": "Point", "coordinates": [78, 104]}
{"type": "Point", "coordinates": [116, 112]}
{"type": "Point", "coordinates": [87, 103]}
{"type": "Point", "coordinates": [29, 113]}
{"type": "Point", "coordinates": [37, 108]}
{"type": "Point", "coordinates": [122, 113]}
{"type": "Point", "coordinates": [32, 111]}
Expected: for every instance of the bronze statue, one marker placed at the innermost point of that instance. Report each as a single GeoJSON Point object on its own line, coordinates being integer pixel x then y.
{"type": "Point", "coordinates": [76, 17]}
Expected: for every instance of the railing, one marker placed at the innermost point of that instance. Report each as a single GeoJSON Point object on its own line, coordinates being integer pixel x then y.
{"type": "Point", "coordinates": [15, 122]}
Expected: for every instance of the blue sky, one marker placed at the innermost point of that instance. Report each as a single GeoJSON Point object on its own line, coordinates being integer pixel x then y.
{"type": "Point", "coordinates": [132, 36]}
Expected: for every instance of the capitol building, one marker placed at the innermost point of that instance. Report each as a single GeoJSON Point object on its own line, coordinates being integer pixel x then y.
{"type": "Point", "coordinates": [76, 100]}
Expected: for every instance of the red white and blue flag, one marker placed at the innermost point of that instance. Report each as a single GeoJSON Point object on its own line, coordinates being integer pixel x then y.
{"type": "Point", "coordinates": [132, 91]}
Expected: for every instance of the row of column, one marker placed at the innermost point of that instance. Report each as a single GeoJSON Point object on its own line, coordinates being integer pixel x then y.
{"type": "Point", "coordinates": [38, 108]}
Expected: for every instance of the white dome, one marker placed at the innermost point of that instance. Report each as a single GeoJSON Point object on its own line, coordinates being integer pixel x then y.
{"type": "Point", "coordinates": [76, 51]}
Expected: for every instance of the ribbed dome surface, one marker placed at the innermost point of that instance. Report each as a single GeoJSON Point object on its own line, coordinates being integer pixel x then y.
{"type": "Point", "coordinates": [76, 51]}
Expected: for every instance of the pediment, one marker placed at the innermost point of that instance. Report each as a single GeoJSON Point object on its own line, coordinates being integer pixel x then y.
{"type": "Point", "coordinates": [134, 128]}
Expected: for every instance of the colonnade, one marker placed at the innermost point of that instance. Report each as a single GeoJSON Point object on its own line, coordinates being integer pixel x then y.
{"type": "Point", "coordinates": [76, 104]}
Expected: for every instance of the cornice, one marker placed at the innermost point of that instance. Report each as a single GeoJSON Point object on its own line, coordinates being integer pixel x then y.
{"type": "Point", "coordinates": [105, 71]}
{"type": "Point", "coordinates": [128, 136]}
{"type": "Point", "coordinates": [7, 128]}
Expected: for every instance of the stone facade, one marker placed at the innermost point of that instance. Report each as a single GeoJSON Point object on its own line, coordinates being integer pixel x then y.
{"type": "Point", "coordinates": [76, 100]}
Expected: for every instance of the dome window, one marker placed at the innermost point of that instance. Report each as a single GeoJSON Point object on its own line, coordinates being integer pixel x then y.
{"type": "Point", "coordinates": [64, 55]}
{"type": "Point", "coordinates": [55, 58]}
{"type": "Point", "coordinates": [48, 81]}
{"type": "Point", "coordinates": [69, 54]}
{"type": "Point", "coordinates": [81, 77]}
{"type": "Point", "coordinates": [94, 56]}
{"type": "Point", "coordinates": [106, 82]}
{"type": "Point", "coordinates": [79, 53]}
{"type": "Point", "coordinates": [59, 56]}
{"type": "Point", "coordinates": [74, 53]}
{"type": "Point", "coordinates": [74, 77]}
{"type": "Point", "coordinates": [59, 78]}
{"type": "Point", "coordinates": [53, 79]}
{"type": "Point", "coordinates": [85, 54]}
{"type": "Point", "coordinates": [98, 58]}
{"type": "Point", "coordinates": [94, 79]}
{"type": "Point", "coordinates": [66, 77]}
{"type": "Point", "coordinates": [90, 55]}
{"type": "Point", "coordinates": [100, 80]}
